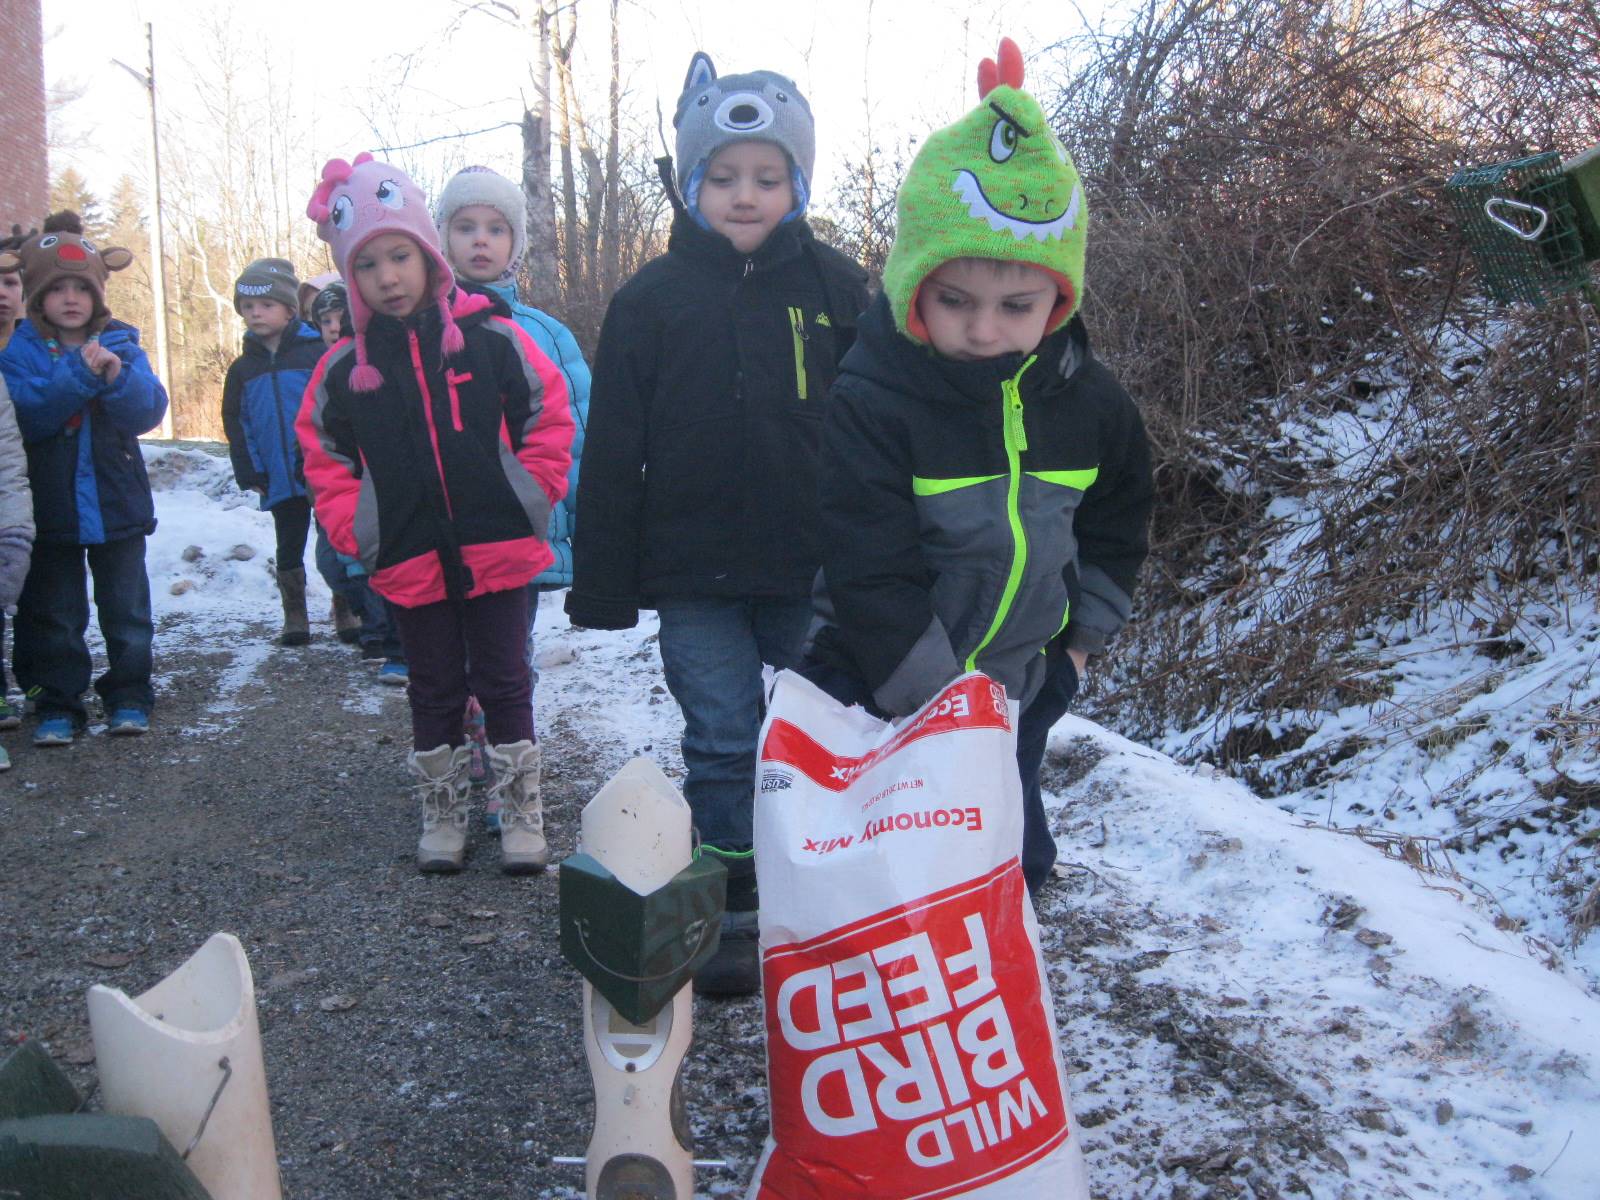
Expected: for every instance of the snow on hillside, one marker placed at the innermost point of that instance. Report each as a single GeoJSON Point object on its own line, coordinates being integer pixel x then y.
{"type": "Point", "coordinates": [1249, 1001]}
{"type": "Point", "coordinates": [1483, 759]}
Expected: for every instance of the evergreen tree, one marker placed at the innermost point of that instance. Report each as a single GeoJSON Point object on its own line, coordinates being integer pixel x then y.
{"type": "Point", "coordinates": [71, 191]}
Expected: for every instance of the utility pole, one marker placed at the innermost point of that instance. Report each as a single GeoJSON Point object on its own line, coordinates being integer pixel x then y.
{"type": "Point", "coordinates": [158, 262]}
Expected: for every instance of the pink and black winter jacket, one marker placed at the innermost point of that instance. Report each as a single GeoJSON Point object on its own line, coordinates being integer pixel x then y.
{"type": "Point", "coordinates": [441, 481]}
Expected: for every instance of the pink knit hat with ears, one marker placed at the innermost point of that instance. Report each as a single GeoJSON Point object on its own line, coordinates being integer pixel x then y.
{"type": "Point", "coordinates": [354, 203]}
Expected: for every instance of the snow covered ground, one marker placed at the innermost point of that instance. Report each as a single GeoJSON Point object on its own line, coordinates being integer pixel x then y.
{"type": "Point", "coordinates": [1251, 1003]}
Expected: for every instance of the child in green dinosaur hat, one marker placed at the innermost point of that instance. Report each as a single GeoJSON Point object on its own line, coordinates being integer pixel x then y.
{"type": "Point", "coordinates": [986, 485]}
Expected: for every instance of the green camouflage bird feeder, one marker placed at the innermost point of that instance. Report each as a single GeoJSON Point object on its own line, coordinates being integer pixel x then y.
{"type": "Point", "coordinates": [1532, 224]}
{"type": "Point", "coordinates": [637, 950]}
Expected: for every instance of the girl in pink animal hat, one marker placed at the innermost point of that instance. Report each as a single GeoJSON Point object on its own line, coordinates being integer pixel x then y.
{"type": "Point", "coordinates": [436, 441]}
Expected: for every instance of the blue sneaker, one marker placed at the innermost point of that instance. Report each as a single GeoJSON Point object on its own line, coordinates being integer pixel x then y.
{"type": "Point", "coordinates": [128, 722]}
{"type": "Point", "coordinates": [55, 731]}
{"type": "Point", "coordinates": [396, 674]}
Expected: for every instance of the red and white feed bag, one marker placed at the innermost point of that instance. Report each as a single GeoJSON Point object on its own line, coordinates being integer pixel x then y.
{"type": "Point", "coordinates": [911, 1046]}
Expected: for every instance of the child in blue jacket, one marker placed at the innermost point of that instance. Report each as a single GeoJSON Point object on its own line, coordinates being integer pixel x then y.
{"type": "Point", "coordinates": [482, 221]}
{"type": "Point", "coordinates": [260, 400]}
{"type": "Point", "coordinates": [84, 392]}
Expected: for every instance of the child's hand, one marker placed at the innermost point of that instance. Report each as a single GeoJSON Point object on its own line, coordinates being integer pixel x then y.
{"type": "Point", "coordinates": [1080, 662]}
{"type": "Point", "coordinates": [98, 359]}
{"type": "Point", "coordinates": [113, 366]}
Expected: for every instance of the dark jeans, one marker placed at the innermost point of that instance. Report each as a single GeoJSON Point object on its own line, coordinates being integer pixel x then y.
{"type": "Point", "coordinates": [53, 614]}
{"type": "Point", "coordinates": [371, 609]}
{"type": "Point", "coordinates": [1047, 707]}
{"type": "Point", "coordinates": [474, 648]}
{"type": "Point", "coordinates": [291, 520]}
{"type": "Point", "coordinates": [712, 649]}
{"type": "Point", "coordinates": [1033, 732]}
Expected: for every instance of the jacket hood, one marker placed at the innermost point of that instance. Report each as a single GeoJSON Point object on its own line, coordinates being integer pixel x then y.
{"type": "Point", "coordinates": [702, 245]}
{"type": "Point", "coordinates": [293, 334]}
{"type": "Point", "coordinates": [889, 359]}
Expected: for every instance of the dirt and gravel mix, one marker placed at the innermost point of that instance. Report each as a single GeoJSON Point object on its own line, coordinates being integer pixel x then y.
{"type": "Point", "coordinates": [422, 1034]}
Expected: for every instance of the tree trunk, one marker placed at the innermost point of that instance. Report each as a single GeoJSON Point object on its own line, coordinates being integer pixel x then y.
{"type": "Point", "coordinates": [611, 250]}
{"type": "Point", "coordinates": [572, 281]}
{"type": "Point", "coordinates": [543, 289]}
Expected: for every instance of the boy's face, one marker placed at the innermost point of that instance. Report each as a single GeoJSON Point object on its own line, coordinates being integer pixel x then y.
{"type": "Point", "coordinates": [478, 243]}
{"type": "Point", "coordinates": [973, 309]}
{"type": "Point", "coordinates": [746, 192]}
{"type": "Point", "coordinates": [265, 318]}
{"type": "Point", "coordinates": [10, 296]}
{"type": "Point", "coordinates": [391, 273]}
{"type": "Point", "coordinates": [68, 305]}
{"type": "Point", "coordinates": [328, 325]}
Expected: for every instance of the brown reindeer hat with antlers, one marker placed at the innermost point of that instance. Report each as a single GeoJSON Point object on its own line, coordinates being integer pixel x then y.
{"type": "Point", "coordinates": [62, 252]}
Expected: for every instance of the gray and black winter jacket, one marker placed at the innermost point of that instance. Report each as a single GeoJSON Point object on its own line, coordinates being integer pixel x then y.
{"type": "Point", "coordinates": [973, 512]}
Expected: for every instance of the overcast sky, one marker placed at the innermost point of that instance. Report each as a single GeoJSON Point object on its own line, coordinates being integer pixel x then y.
{"type": "Point", "coordinates": [347, 63]}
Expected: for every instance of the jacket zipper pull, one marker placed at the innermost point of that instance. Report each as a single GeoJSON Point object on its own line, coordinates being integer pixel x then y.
{"type": "Point", "coordinates": [749, 265]}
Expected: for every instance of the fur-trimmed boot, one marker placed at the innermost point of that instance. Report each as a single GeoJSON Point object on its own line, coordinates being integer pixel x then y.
{"type": "Point", "coordinates": [296, 625]}
{"type": "Point", "coordinates": [346, 625]}
{"type": "Point", "coordinates": [444, 789]}
{"type": "Point", "coordinates": [523, 849]}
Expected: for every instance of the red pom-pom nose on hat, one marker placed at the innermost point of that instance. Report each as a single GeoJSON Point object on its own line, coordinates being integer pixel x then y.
{"type": "Point", "coordinates": [71, 253]}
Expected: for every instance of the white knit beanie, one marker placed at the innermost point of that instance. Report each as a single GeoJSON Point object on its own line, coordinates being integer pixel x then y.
{"type": "Point", "coordinates": [481, 185]}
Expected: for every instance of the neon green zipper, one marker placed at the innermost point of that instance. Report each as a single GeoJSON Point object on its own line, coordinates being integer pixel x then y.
{"type": "Point", "coordinates": [1016, 440]}
{"type": "Point", "coordinates": [797, 326]}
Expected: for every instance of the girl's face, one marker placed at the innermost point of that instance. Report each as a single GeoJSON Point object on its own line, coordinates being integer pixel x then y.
{"type": "Point", "coordinates": [478, 243]}
{"type": "Point", "coordinates": [746, 192]}
{"type": "Point", "coordinates": [68, 305]}
{"type": "Point", "coordinates": [391, 272]}
{"type": "Point", "coordinates": [10, 298]}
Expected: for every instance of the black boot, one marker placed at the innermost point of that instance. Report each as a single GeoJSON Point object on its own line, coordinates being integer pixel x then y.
{"type": "Point", "coordinates": [735, 967]}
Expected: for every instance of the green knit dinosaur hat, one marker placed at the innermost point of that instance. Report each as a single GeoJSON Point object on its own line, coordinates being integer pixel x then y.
{"type": "Point", "coordinates": [996, 184]}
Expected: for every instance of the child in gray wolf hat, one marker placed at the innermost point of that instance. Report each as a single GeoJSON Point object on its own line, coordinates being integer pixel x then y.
{"type": "Point", "coordinates": [699, 490]}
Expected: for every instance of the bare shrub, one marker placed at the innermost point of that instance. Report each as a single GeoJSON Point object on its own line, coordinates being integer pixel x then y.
{"type": "Point", "coordinates": [1268, 244]}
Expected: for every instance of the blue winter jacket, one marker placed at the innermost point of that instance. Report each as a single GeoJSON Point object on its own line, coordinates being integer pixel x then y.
{"type": "Point", "coordinates": [260, 400]}
{"type": "Point", "coordinates": [84, 461]}
{"type": "Point", "coordinates": [561, 348]}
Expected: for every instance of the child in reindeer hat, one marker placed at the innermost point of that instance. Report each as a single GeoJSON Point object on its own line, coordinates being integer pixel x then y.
{"type": "Point", "coordinates": [699, 490]}
{"type": "Point", "coordinates": [986, 483]}
{"type": "Point", "coordinates": [435, 443]}
{"type": "Point", "coordinates": [84, 392]}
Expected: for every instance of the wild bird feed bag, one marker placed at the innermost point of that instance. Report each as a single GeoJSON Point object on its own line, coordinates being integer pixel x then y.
{"type": "Point", "coordinates": [911, 1047]}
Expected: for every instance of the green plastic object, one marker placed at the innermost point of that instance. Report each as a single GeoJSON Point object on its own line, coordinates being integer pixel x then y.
{"type": "Point", "coordinates": [1583, 177]}
{"type": "Point", "coordinates": [1519, 221]}
{"type": "Point", "coordinates": [92, 1157]}
{"type": "Point", "coordinates": [638, 951]}
{"type": "Point", "coordinates": [31, 1085]}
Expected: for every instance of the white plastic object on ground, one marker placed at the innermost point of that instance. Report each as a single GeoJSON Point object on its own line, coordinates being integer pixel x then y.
{"type": "Point", "coordinates": [638, 828]}
{"type": "Point", "coordinates": [161, 1055]}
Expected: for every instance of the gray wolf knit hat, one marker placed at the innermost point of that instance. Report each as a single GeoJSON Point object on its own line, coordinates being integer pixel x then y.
{"type": "Point", "coordinates": [759, 106]}
{"type": "Point", "coordinates": [268, 279]}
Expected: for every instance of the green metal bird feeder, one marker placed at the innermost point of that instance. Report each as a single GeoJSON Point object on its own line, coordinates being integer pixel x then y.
{"type": "Point", "coordinates": [1533, 224]}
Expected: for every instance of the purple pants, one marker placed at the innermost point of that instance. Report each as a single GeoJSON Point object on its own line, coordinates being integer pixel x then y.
{"type": "Point", "coordinates": [479, 649]}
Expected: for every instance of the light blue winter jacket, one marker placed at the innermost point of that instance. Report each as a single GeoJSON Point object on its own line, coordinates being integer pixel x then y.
{"type": "Point", "coordinates": [558, 344]}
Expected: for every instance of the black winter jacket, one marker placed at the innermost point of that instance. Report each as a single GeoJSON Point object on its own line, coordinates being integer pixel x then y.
{"type": "Point", "coordinates": [973, 512]}
{"type": "Point", "coordinates": [705, 423]}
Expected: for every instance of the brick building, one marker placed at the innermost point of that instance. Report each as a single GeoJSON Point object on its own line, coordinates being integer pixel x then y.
{"type": "Point", "coordinates": [24, 166]}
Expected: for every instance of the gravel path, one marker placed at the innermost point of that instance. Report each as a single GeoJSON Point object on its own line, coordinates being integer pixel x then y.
{"type": "Point", "coordinates": [271, 803]}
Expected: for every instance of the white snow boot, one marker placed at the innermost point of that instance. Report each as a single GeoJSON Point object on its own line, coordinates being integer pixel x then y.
{"type": "Point", "coordinates": [523, 849]}
{"type": "Point", "coordinates": [444, 789]}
